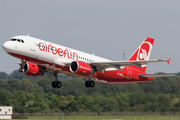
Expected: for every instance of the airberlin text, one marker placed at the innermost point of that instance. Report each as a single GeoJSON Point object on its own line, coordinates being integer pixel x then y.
{"type": "Point", "coordinates": [58, 51]}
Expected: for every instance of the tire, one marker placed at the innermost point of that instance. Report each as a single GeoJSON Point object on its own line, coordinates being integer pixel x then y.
{"type": "Point", "coordinates": [91, 83]}
{"type": "Point", "coordinates": [58, 84]}
{"type": "Point", "coordinates": [54, 84]}
{"type": "Point", "coordinates": [87, 84]}
{"type": "Point", "coordinates": [20, 70]}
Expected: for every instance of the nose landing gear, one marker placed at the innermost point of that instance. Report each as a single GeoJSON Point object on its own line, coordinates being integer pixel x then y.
{"type": "Point", "coordinates": [23, 66]}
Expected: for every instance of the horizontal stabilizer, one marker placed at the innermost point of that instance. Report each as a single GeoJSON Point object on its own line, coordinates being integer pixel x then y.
{"type": "Point", "coordinates": [155, 75]}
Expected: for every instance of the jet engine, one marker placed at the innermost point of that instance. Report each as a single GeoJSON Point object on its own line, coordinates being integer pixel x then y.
{"type": "Point", "coordinates": [81, 68]}
{"type": "Point", "coordinates": [30, 69]}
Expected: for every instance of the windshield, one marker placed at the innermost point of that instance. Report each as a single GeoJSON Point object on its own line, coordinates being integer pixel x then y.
{"type": "Point", "coordinates": [18, 40]}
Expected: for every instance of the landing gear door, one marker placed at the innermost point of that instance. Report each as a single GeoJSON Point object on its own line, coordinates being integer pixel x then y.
{"type": "Point", "coordinates": [33, 45]}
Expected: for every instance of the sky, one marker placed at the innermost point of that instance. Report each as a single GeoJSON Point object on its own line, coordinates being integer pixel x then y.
{"type": "Point", "coordinates": [104, 27]}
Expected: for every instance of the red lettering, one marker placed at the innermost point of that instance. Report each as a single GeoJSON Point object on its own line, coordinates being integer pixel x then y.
{"type": "Point", "coordinates": [65, 52]}
{"type": "Point", "coordinates": [60, 52]}
{"type": "Point", "coordinates": [54, 50]}
{"type": "Point", "coordinates": [41, 49]}
{"type": "Point", "coordinates": [49, 47]}
{"type": "Point", "coordinates": [44, 47]}
{"type": "Point", "coordinates": [70, 54]}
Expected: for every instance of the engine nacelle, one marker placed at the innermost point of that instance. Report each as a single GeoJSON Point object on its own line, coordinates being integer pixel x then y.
{"type": "Point", "coordinates": [30, 69]}
{"type": "Point", "coordinates": [80, 68]}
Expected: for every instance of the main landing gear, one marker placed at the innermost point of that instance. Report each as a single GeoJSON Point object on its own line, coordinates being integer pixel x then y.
{"type": "Point", "coordinates": [56, 83]}
{"type": "Point", "coordinates": [89, 83]}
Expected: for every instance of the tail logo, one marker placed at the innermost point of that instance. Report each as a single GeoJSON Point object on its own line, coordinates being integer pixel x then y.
{"type": "Point", "coordinates": [144, 51]}
{"type": "Point", "coordinates": [143, 55]}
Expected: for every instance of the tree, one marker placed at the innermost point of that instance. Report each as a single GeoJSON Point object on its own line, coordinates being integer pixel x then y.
{"type": "Point", "coordinates": [3, 85]}
{"type": "Point", "coordinates": [27, 85]}
{"type": "Point", "coordinates": [20, 97]}
{"type": "Point", "coordinates": [122, 100]}
{"type": "Point", "coordinates": [164, 102]}
{"type": "Point", "coordinates": [3, 75]}
{"type": "Point", "coordinates": [5, 98]}
{"type": "Point", "coordinates": [14, 85]}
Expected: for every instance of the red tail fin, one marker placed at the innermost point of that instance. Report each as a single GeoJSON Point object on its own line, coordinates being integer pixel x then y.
{"type": "Point", "coordinates": [143, 52]}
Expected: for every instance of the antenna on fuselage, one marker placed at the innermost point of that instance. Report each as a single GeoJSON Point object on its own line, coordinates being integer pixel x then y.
{"type": "Point", "coordinates": [28, 35]}
{"type": "Point", "coordinates": [124, 55]}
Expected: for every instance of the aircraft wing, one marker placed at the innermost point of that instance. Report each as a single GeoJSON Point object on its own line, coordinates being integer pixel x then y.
{"type": "Point", "coordinates": [117, 64]}
{"type": "Point", "coordinates": [155, 75]}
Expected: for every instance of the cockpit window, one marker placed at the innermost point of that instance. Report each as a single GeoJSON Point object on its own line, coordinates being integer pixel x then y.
{"type": "Point", "coordinates": [22, 41]}
{"type": "Point", "coordinates": [19, 40]}
{"type": "Point", "coordinates": [13, 39]}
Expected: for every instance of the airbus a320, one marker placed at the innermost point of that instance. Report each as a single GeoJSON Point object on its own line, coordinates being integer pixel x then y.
{"type": "Point", "coordinates": [38, 56]}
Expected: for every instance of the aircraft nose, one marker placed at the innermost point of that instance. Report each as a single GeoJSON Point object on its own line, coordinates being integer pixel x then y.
{"type": "Point", "coordinates": [6, 46]}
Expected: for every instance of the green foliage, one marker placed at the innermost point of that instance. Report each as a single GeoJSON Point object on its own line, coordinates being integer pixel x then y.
{"type": "Point", "coordinates": [5, 98]}
{"type": "Point", "coordinates": [3, 75]}
{"type": "Point", "coordinates": [37, 95]}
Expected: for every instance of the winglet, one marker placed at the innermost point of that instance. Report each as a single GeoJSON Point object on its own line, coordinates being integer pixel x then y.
{"type": "Point", "coordinates": [168, 60]}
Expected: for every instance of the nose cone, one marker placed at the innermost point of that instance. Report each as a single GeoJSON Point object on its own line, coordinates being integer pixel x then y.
{"type": "Point", "coordinates": [6, 46]}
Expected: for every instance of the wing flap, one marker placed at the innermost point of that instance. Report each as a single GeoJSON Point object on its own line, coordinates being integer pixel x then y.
{"type": "Point", "coordinates": [155, 75]}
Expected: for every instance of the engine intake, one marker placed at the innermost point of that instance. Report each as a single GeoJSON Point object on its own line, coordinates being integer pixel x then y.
{"type": "Point", "coordinates": [80, 68]}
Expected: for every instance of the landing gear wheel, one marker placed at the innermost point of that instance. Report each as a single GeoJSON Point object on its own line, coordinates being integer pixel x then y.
{"type": "Point", "coordinates": [58, 84]}
{"type": "Point", "coordinates": [87, 84]}
{"type": "Point", "coordinates": [54, 84]}
{"type": "Point", "coordinates": [20, 70]}
{"type": "Point", "coordinates": [91, 83]}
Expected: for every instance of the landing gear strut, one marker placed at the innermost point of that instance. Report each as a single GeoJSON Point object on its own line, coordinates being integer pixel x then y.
{"type": "Point", "coordinates": [89, 83]}
{"type": "Point", "coordinates": [56, 83]}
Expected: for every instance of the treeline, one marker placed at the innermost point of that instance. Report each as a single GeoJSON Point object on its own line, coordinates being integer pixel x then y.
{"type": "Point", "coordinates": [31, 95]}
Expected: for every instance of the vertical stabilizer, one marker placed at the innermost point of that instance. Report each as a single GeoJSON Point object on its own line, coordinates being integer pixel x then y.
{"type": "Point", "coordinates": [143, 52]}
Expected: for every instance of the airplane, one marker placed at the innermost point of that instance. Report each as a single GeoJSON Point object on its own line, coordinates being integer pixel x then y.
{"type": "Point", "coordinates": [38, 56]}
